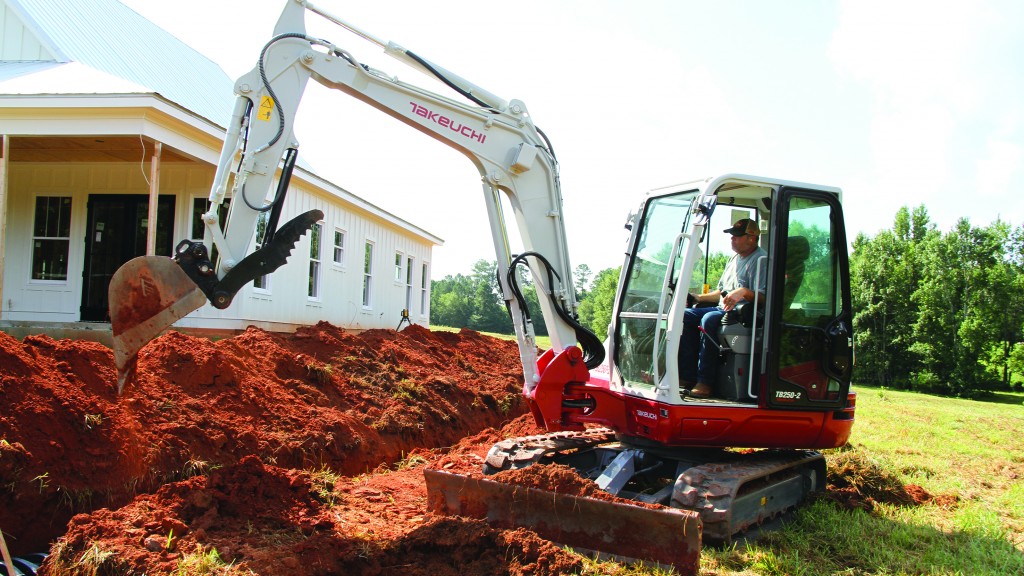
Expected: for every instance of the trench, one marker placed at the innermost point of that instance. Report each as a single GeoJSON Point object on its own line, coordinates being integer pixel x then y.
{"type": "Point", "coordinates": [316, 400]}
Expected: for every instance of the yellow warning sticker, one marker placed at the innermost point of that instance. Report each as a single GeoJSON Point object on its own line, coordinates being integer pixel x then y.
{"type": "Point", "coordinates": [266, 107]}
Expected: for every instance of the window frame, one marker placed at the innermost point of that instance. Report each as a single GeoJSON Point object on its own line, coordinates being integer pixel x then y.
{"type": "Point", "coordinates": [316, 253]}
{"type": "Point", "coordinates": [338, 252]}
{"type": "Point", "coordinates": [425, 289]}
{"type": "Point", "coordinates": [369, 253]}
{"type": "Point", "coordinates": [399, 267]}
{"type": "Point", "coordinates": [65, 239]}
{"type": "Point", "coordinates": [265, 286]}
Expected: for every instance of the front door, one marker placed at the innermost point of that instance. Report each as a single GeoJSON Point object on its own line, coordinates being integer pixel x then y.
{"type": "Point", "coordinates": [641, 324]}
{"type": "Point", "coordinates": [811, 342]}
{"type": "Point", "coordinates": [116, 233]}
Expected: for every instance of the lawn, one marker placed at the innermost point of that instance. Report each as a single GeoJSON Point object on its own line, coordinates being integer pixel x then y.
{"type": "Point", "coordinates": [966, 454]}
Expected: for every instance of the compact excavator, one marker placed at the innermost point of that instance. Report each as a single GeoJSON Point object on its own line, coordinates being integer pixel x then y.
{"type": "Point", "coordinates": [614, 408]}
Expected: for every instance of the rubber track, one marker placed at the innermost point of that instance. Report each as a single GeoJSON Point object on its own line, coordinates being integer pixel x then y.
{"type": "Point", "coordinates": [710, 489]}
{"type": "Point", "coordinates": [515, 453]}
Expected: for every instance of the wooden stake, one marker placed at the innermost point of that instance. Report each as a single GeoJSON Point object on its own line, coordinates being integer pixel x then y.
{"type": "Point", "coordinates": [7, 555]}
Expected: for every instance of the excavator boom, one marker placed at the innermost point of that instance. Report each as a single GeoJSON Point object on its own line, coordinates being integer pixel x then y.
{"type": "Point", "coordinates": [513, 158]}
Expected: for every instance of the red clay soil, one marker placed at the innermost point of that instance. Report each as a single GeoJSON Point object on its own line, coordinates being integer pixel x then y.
{"type": "Point", "coordinates": [298, 453]}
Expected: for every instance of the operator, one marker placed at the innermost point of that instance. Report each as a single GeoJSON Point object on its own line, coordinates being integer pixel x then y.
{"type": "Point", "coordinates": [698, 357]}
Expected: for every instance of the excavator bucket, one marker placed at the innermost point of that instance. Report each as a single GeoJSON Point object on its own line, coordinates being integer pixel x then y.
{"type": "Point", "coordinates": [665, 536]}
{"type": "Point", "coordinates": [146, 295]}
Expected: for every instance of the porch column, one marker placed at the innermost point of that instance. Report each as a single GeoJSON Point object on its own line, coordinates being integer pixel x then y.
{"type": "Point", "coordinates": [154, 200]}
{"type": "Point", "coordinates": [5, 150]}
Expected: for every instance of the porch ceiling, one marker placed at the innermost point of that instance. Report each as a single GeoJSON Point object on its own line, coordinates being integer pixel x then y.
{"type": "Point", "coordinates": [89, 149]}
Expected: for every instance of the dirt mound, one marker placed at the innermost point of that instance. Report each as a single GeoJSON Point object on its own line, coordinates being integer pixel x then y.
{"type": "Point", "coordinates": [318, 399]}
{"type": "Point", "coordinates": [271, 520]}
{"type": "Point", "coordinates": [857, 482]}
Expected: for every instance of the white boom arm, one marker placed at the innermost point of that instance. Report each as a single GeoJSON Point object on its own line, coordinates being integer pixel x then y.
{"type": "Point", "coordinates": [499, 138]}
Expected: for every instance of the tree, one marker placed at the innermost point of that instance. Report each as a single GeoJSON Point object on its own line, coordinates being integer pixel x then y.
{"type": "Point", "coordinates": [488, 307]}
{"type": "Point", "coordinates": [451, 301]}
{"type": "Point", "coordinates": [596, 309]}
{"type": "Point", "coordinates": [885, 271]}
{"type": "Point", "coordinates": [957, 308]}
{"type": "Point", "coordinates": [581, 280]}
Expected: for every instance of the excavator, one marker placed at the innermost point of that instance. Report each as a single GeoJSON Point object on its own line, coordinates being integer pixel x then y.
{"type": "Point", "coordinates": [678, 469]}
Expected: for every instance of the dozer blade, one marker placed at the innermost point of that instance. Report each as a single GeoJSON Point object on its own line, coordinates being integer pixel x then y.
{"type": "Point", "coordinates": [666, 536]}
{"type": "Point", "coordinates": [146, 295]}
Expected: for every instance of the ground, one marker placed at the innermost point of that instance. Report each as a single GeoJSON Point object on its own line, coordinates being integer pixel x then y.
{"type": "Point", "coordinates": [297, 454]}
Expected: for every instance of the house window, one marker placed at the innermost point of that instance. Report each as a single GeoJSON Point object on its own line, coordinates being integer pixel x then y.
{"type": "Point", "coordinates": [408, 283]}
{"type": "Point", "coordinates": [199, 207]}
{"type": "Point", "coordinates": [398, 266]}
{"type": "Point", "coordinates": [339, 247]}
{"type": "Point", "coordinates": [262, 282]}
{"type": "Point", "coordinates": [314, 261]}
{"type": "Point", "coordinates": [368, 275]}
{"type": "Point", "coordinates": [51, 238]}
{"type": "Point", "coordinates": [424, 300]}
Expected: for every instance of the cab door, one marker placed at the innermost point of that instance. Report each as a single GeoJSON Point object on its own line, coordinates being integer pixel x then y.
{"type": "Point", "coordinates": [810, 336]}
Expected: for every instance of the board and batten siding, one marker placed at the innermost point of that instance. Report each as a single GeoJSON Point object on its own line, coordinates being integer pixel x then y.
{"type": "Point", "coordinates": [284, 304]}
{"type": "Point", "coordinates": [17, 43]}
{"type": "Point", "coordinates": [340, 292]}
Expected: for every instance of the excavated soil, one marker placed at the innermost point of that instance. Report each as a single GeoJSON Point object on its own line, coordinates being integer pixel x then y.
{"type": "Point", "coordinates": [299, 454]}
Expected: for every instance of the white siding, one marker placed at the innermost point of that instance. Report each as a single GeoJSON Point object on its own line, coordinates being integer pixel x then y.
{"type": "Point", "coordinates": [17, 43]}
{"type": "Point", "coordinates": [285, 304]}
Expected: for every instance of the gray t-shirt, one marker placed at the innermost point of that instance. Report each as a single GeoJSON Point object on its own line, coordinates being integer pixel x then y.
{"type": "Point", "coordinates": [741, 271]}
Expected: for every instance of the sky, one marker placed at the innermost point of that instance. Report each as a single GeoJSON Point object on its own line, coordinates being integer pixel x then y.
{"type": "Point", "coordinates": [899, 103]}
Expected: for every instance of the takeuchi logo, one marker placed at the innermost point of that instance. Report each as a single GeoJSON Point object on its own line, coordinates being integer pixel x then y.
{"type": "Point", "coordinates": [453, 125]}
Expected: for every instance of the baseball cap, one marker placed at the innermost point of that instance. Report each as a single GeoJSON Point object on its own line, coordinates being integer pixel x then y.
{"type": "Point", "coordinates": [744, 226]}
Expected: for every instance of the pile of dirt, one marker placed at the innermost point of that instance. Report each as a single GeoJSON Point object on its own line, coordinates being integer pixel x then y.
{"type": "Point", "coordinates": [857, 482]}
{"type": "Point", "coordinates": [272, 520]}
{"type": "Point", "coordinates": [263, 435]}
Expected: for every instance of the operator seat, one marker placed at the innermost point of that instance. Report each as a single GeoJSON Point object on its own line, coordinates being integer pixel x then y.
{"type": "Point", "coordinates": [798, 249]}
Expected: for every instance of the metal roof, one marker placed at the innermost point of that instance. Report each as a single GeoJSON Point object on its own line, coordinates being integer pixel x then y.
{"type": "Point", "coordinates": [44, 78]}
{"type": "Point", "coordinates": [112, 38]}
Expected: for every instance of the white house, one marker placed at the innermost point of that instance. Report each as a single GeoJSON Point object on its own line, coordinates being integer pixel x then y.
{"type": "Point", "coordinates": [109, 123]}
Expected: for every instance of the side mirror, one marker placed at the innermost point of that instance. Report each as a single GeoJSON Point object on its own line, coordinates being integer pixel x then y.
{"type": "Point", "coordinates": [839, 349]}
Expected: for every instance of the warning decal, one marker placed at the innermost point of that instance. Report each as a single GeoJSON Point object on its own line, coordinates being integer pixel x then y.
{"type": "Point", "coordinates": [266, 107]}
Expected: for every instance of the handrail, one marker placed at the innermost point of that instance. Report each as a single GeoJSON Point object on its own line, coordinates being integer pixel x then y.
{"type": "Point", "coordinates": [661, 307]}
{"type": "Point", "coordinates": [753, 329]}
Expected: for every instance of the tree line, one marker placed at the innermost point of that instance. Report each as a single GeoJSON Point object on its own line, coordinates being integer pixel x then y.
{"type": "Point", "coordinates": [472, 300]}
{"type": "Point", "coordinates": [940, 312]}
{"type": "Point", "coordinates": [933, 311]}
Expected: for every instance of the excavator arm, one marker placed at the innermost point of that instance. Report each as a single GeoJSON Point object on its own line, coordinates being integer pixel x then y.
{"type": "Point", "coordinates": [512, 156]}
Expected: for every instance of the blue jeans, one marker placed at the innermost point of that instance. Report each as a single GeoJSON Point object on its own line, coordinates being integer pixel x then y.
{"type": "Point", "coordinates": [698, 358]}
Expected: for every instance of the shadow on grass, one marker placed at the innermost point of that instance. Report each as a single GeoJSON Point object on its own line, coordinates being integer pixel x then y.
{"type": "Point", "coordinates": [1012, 398]}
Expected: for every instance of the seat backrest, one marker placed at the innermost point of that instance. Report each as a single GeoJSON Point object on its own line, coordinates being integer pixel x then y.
{"type": "Point", "coordinates": [798, 249]}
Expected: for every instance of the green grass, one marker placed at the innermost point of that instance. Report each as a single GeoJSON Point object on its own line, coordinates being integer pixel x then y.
{"type": "Point", "coordinates": [957, 450]}
{"type": "Point", "coordinates": [543, 342]}
{"type": "Point", "coordinates": [967, 454]}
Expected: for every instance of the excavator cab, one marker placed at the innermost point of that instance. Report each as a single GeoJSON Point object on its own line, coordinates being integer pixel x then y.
{"type": "Point", "coordinates": [791, 350]}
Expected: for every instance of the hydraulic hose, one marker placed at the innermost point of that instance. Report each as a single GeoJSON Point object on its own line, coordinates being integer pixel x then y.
{"type": "Point", "coordinates": [593, 348]}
